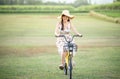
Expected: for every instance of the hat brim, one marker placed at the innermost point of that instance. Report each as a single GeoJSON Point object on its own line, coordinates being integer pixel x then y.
{"type": "Point", "coordinates": [70, 16]}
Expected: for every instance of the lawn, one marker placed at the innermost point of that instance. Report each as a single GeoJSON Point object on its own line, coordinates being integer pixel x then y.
{"type": "Point", "coordinates": [28, 51]}
{"type": "Point", "coordinates": [93, 63]}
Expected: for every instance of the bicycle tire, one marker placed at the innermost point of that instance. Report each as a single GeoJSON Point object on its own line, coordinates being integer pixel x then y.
{"type": "Point", "coordinates": [70, 68]}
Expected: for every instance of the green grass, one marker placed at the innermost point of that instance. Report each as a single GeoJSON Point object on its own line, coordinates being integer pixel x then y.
{"type": "Point", "coordinates": [115, 14]}
{"type": "Point", "coordinates": [92, 63]}
{"type": "Point", "coordinates": [28, 51]}
{"type": "Point", "coordinates": [28, 29]}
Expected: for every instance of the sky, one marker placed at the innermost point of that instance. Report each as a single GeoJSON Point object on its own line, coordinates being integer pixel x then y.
{"type": "Point", "coordinates": [67, 1]}
{"type": "Point", "coordinates": [92, 1]}
{"type": "Point", "coordinates": [101, 1]}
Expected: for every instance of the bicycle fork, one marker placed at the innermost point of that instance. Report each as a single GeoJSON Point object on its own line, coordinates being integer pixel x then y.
{"type": "Point", "coordinates": [67, 59]}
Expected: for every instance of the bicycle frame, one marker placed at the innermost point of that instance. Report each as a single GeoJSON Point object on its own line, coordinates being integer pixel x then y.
{"type": "Point", "coordinates": [68, 64]}
{"type": "Point", "coordinates": [68, 58]}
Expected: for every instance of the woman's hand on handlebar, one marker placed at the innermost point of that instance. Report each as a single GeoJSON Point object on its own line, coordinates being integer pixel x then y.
{"type": "Point", "coordinates": [80, 35]}
{"type": "Point", "coordinates": [56, 35]}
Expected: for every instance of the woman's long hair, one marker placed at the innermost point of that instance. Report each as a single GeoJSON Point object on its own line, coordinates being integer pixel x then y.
{"type": "Point", "coordinates": [63, 23]}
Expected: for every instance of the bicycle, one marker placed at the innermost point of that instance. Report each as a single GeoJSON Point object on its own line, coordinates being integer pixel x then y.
{"type": "Point", "coordinates": [68, 59]}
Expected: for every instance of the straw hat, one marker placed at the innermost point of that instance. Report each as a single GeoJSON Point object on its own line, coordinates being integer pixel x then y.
{"type": "Point", "coordinates": [66, 13]}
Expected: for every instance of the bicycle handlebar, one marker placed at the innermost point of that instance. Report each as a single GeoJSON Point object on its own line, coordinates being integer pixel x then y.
{"type": "Point", "coordinates": [66, 38]}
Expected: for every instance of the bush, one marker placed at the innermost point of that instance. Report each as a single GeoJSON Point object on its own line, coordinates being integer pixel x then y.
{"type": "Point", "coordinates": [33, 9]}
{"type": "Point", "coordinates": [113, 6]}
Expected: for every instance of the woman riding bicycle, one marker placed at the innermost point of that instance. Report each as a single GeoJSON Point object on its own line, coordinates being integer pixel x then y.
{"type": "Point", "coordinates": [64, 27]}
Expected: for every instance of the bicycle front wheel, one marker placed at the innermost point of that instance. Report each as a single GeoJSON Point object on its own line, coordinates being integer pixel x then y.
{"type": "Point", "coordinates": [70, 68]}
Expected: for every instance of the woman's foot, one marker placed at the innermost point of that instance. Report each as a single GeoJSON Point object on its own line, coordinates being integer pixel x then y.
{"type": "Point", "coordinates": [61, 67]}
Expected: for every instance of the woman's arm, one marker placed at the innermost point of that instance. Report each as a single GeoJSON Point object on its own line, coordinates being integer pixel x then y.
{"type": "Point", "coordinates": [74, 30]}
{"type": "Point", "coordinates": [57, 29]}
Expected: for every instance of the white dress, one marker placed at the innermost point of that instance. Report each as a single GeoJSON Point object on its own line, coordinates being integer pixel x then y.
{"type": "Point", "coordinates": [60, 40]}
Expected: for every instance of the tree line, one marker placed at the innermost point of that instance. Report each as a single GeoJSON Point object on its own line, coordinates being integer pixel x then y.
{"type": "Point", "coordinates": [76, 3]}
{"type": "Point", "coordinates": [40, 2]}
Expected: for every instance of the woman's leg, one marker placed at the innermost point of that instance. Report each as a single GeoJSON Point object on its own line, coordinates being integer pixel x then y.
{"type": "Point", "coordinates": [63, 57]}
{"type": "Point", "coordinates": [62, 60]}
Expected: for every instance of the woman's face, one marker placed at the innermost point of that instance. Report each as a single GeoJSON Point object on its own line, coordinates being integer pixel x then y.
{"type": "Point", "coordinates": [65, 18]}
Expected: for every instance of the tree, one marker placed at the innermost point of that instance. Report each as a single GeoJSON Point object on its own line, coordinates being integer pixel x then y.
{"type": "Point", "coordinates": [118, 0]}
{"type": "Point", "coordinates": [80, 3]}
{"type": "Point", "coordinates": [20, 2]}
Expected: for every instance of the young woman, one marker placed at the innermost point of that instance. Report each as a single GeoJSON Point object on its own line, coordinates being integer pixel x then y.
{"type": "Point", "coordinates": [64, 27]}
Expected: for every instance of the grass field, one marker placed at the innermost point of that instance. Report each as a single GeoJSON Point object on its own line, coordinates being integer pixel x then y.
{"type": "Point", "coordinates": [115, 14]}
{"type": "Point", "coordinates": [28, 51]}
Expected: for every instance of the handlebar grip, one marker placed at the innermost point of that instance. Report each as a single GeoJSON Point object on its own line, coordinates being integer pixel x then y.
{"type": "Point", "coordinates": [80, 35]}
{"type": "Point", "coordinates": [77, 35]}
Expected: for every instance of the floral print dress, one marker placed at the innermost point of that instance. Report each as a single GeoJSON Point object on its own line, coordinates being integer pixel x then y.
{"type": "Point", "coordinates": [61, 41]}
